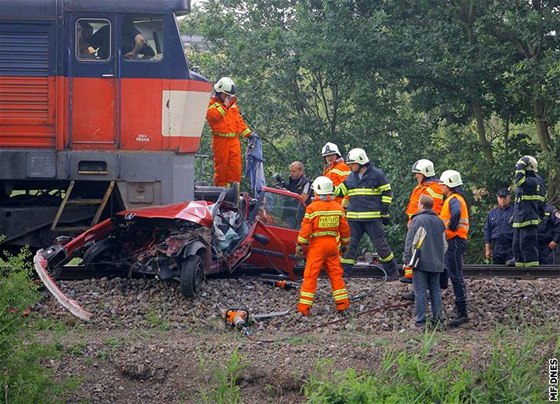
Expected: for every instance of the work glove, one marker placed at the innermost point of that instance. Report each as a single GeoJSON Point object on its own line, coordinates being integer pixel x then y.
{"type": "Point", "coordinates": [254, 135]}
{"type": "Point", "coordinates": [343, 249]}
{"type": "Point", "coordinates": [487, 261]}
{"type": "Point", "coordinates": [299, 251]}
{"type": "Point", "coordinates": [386, 221]}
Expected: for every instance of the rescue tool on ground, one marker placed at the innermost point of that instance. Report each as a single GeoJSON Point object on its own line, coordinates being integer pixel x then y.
{"type": "Point", "coordinates": [242, 318]}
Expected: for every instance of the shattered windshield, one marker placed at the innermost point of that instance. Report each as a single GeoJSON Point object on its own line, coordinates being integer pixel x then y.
{"type": "Point", "coordinates": [280, 210]}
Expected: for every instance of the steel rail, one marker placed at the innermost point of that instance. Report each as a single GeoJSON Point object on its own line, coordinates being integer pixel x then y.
{"type": "Point", "coordinates": [78, 272]}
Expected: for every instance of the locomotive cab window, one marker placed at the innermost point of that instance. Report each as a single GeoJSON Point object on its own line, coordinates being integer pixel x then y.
{"type": "Point", "coordinates": [142, 38]}
{"type": "Point", "coordinates": [93, 40]}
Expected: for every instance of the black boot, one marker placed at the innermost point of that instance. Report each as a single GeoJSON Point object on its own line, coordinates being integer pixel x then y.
{"type": "Point", "coordinates": [461, 316]}
{"type": "Point", "coordinates": [391, 270]}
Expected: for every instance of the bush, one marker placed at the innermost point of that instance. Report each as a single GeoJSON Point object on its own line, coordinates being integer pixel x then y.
{"type": "Point", "coordinates": [512, 375]}
{"type": "Point", "coordinates": [22, 379]}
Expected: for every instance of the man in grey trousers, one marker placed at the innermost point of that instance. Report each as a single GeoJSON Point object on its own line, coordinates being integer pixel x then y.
{"type": "Point", "coordinates": [424, 250]}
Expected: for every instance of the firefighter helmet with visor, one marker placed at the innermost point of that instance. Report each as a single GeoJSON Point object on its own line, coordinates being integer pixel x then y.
{"type": "Point", "coordinates": [357, 156]}
{"type": "Point", "coordinates": [451, 178]}
{"type": "Point", "coordinates": [330, 148]}
{"type": "Point", "coordinates": [425, 167]}
{"type": "Point", "coordinates": [323, 186]}
{"type": "Point", "coordinates": [225, 85]}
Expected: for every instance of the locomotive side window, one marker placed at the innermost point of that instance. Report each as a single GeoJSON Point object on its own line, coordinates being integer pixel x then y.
{"type": "Point", "coordinates": [142, 38]}
{"type": "Point", "coordinates": [93, 39]}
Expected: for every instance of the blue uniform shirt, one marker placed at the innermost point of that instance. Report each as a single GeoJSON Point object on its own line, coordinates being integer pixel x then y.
{"type": "Point", "coordinates": [498, 226]}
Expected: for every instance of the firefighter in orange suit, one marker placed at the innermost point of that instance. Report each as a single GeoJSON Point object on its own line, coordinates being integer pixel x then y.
{"type": "Point", "coordinates": [227, 125]}
{"type": "Point", "coordinates": [335, 167]}
{"type": "Point", "coordinates": [322, 227]}
{"type": "Point", "coordinates": [428, 184]}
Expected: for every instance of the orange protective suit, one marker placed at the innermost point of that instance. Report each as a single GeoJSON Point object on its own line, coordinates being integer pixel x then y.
{"type": "Point", "coordinates": [337, 172]}
{"type": "Point", "coordinates": [227, 125]}
{"type": "Point", "coordinates": [430, 188]}
{"type": "Point", "coordinates": [323, 225]}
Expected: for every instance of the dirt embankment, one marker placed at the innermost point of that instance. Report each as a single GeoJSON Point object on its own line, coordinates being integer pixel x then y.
{"type": "Point", "coordinates": [146, 343]}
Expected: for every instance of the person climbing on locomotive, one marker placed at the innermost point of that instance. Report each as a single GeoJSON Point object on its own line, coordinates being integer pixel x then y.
{"type": "Point", "coordinates": [227, 126]}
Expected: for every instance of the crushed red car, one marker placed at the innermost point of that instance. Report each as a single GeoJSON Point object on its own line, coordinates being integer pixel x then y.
{"type": "Point", "coordinates": [219, 232]}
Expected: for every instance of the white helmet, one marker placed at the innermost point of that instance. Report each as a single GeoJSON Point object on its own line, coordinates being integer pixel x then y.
{"type": "Point", "coordinates": [225, 85]}
{"type": "Point", "coordinates": [330, 148]}
{"type": "Point", "coordinates": [323, 186]}
{"type": "Point", "coordinates": [357, 156]}
{"type": "Point", "coordinates": [425, 167]}
{"type": "Point", "coordinates": [451, 178]}
{"type": "Point", "coordinates": [530, 161]}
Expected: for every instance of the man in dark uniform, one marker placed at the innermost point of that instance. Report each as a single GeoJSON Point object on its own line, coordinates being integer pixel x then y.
{"type": "Point", "coordinates": [527, 212]}
{"type": "Point", "coordinates": [498, 233]}
{"type": "Point", "coordinates": [548, 234]}
{"type": "Point", "coordinates": [299, 183]}
{"type": "Point", "coordinates": [370, 196]}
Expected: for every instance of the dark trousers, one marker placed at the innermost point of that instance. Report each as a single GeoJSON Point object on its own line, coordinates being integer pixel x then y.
{"type": "Point", "coordinates": [422, 281]}
{"type": "Point", "coordinates": [376, 233]}
{"type": "Point", "coordinates": [546, 255]}
{"type": "Point", "coordinates": [456, 247]}
{"type": "Point", "coordinates": [525, 246]}
{"type": "Point", "coordinates": [501, 252]}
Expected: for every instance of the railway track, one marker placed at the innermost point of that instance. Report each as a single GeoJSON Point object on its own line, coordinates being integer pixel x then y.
{"type": "Point", "coordinates": [78, 272]}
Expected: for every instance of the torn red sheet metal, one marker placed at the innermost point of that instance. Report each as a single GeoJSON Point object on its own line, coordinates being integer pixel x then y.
{"type": "Point", "coordinates": [40, 264]}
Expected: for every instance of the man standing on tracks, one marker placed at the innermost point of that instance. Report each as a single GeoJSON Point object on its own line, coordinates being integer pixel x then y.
{"type": "Point", "coordinates": [227, 126]}
{"type": "Point", "coordinates": [425, 240]}
{"type": "Point", "coordinates": [498, 233]}
{"type": "Point", "coordinates": [322, 227]}
{"type": "Point", "coordinates": [455, 216]}
{"type": "Point", "coordinates": [548, 234]}
{"type": "Point", "coordinates": [370, 196]}
{"type": "Point", "coordinates": [335, 167]}
{"type": "Point", "coordinates": [528, 210]}
{"type": "Point", "coordinates": [427, 184]}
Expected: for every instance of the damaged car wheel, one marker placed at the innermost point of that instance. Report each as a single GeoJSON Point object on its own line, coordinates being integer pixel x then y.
{"type": "Point", "coordinates": [192, 275]}
{"type": "Point", "coordinates": [99, 258]}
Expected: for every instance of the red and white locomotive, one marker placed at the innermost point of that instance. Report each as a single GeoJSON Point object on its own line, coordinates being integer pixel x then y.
{"type": "Point", "coordinates": [99, 112]}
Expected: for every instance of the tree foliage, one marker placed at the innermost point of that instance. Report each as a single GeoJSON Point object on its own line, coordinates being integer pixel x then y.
{"type": "Point", "coordinates": [470, 84]}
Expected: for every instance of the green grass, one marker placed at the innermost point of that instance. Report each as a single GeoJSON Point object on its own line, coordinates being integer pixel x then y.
{"type": "Point", "coordinates": [512, 374]}
{"type": "Point", "coordinates": [225, 387]}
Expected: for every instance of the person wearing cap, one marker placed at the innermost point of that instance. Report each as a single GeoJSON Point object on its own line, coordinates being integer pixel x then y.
{"type": "Point", "coordinates": [455, 216]}
{"type": "Point", "coordinates": [227, 126]}
{"type": "Point", "coordinates": [548, 234]}
{"type": "Point", "coordinates": [324, 226]}
{"type": "Point", "coordinates": [498, 231]}
{"type": "Point", "coordinates": [335, 167]}
{"type": "Point", "coordinates": [528, 210]}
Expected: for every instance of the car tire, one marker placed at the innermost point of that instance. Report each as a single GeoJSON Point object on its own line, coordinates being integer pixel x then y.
{"type": "Point", "coordinates": [102, 251]}
{"type": "Point", "coordinates": [192, 275]}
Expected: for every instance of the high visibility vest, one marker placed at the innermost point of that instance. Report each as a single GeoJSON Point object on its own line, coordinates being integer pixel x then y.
{"type": "Point", "coordinates": [324, 219]}
{"type": "Point", "coordinates": [463, 227]}
{"type": "Point", "coordinates": [430, 188]}
{"type": "Point", "coordinates": [337, 173]}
